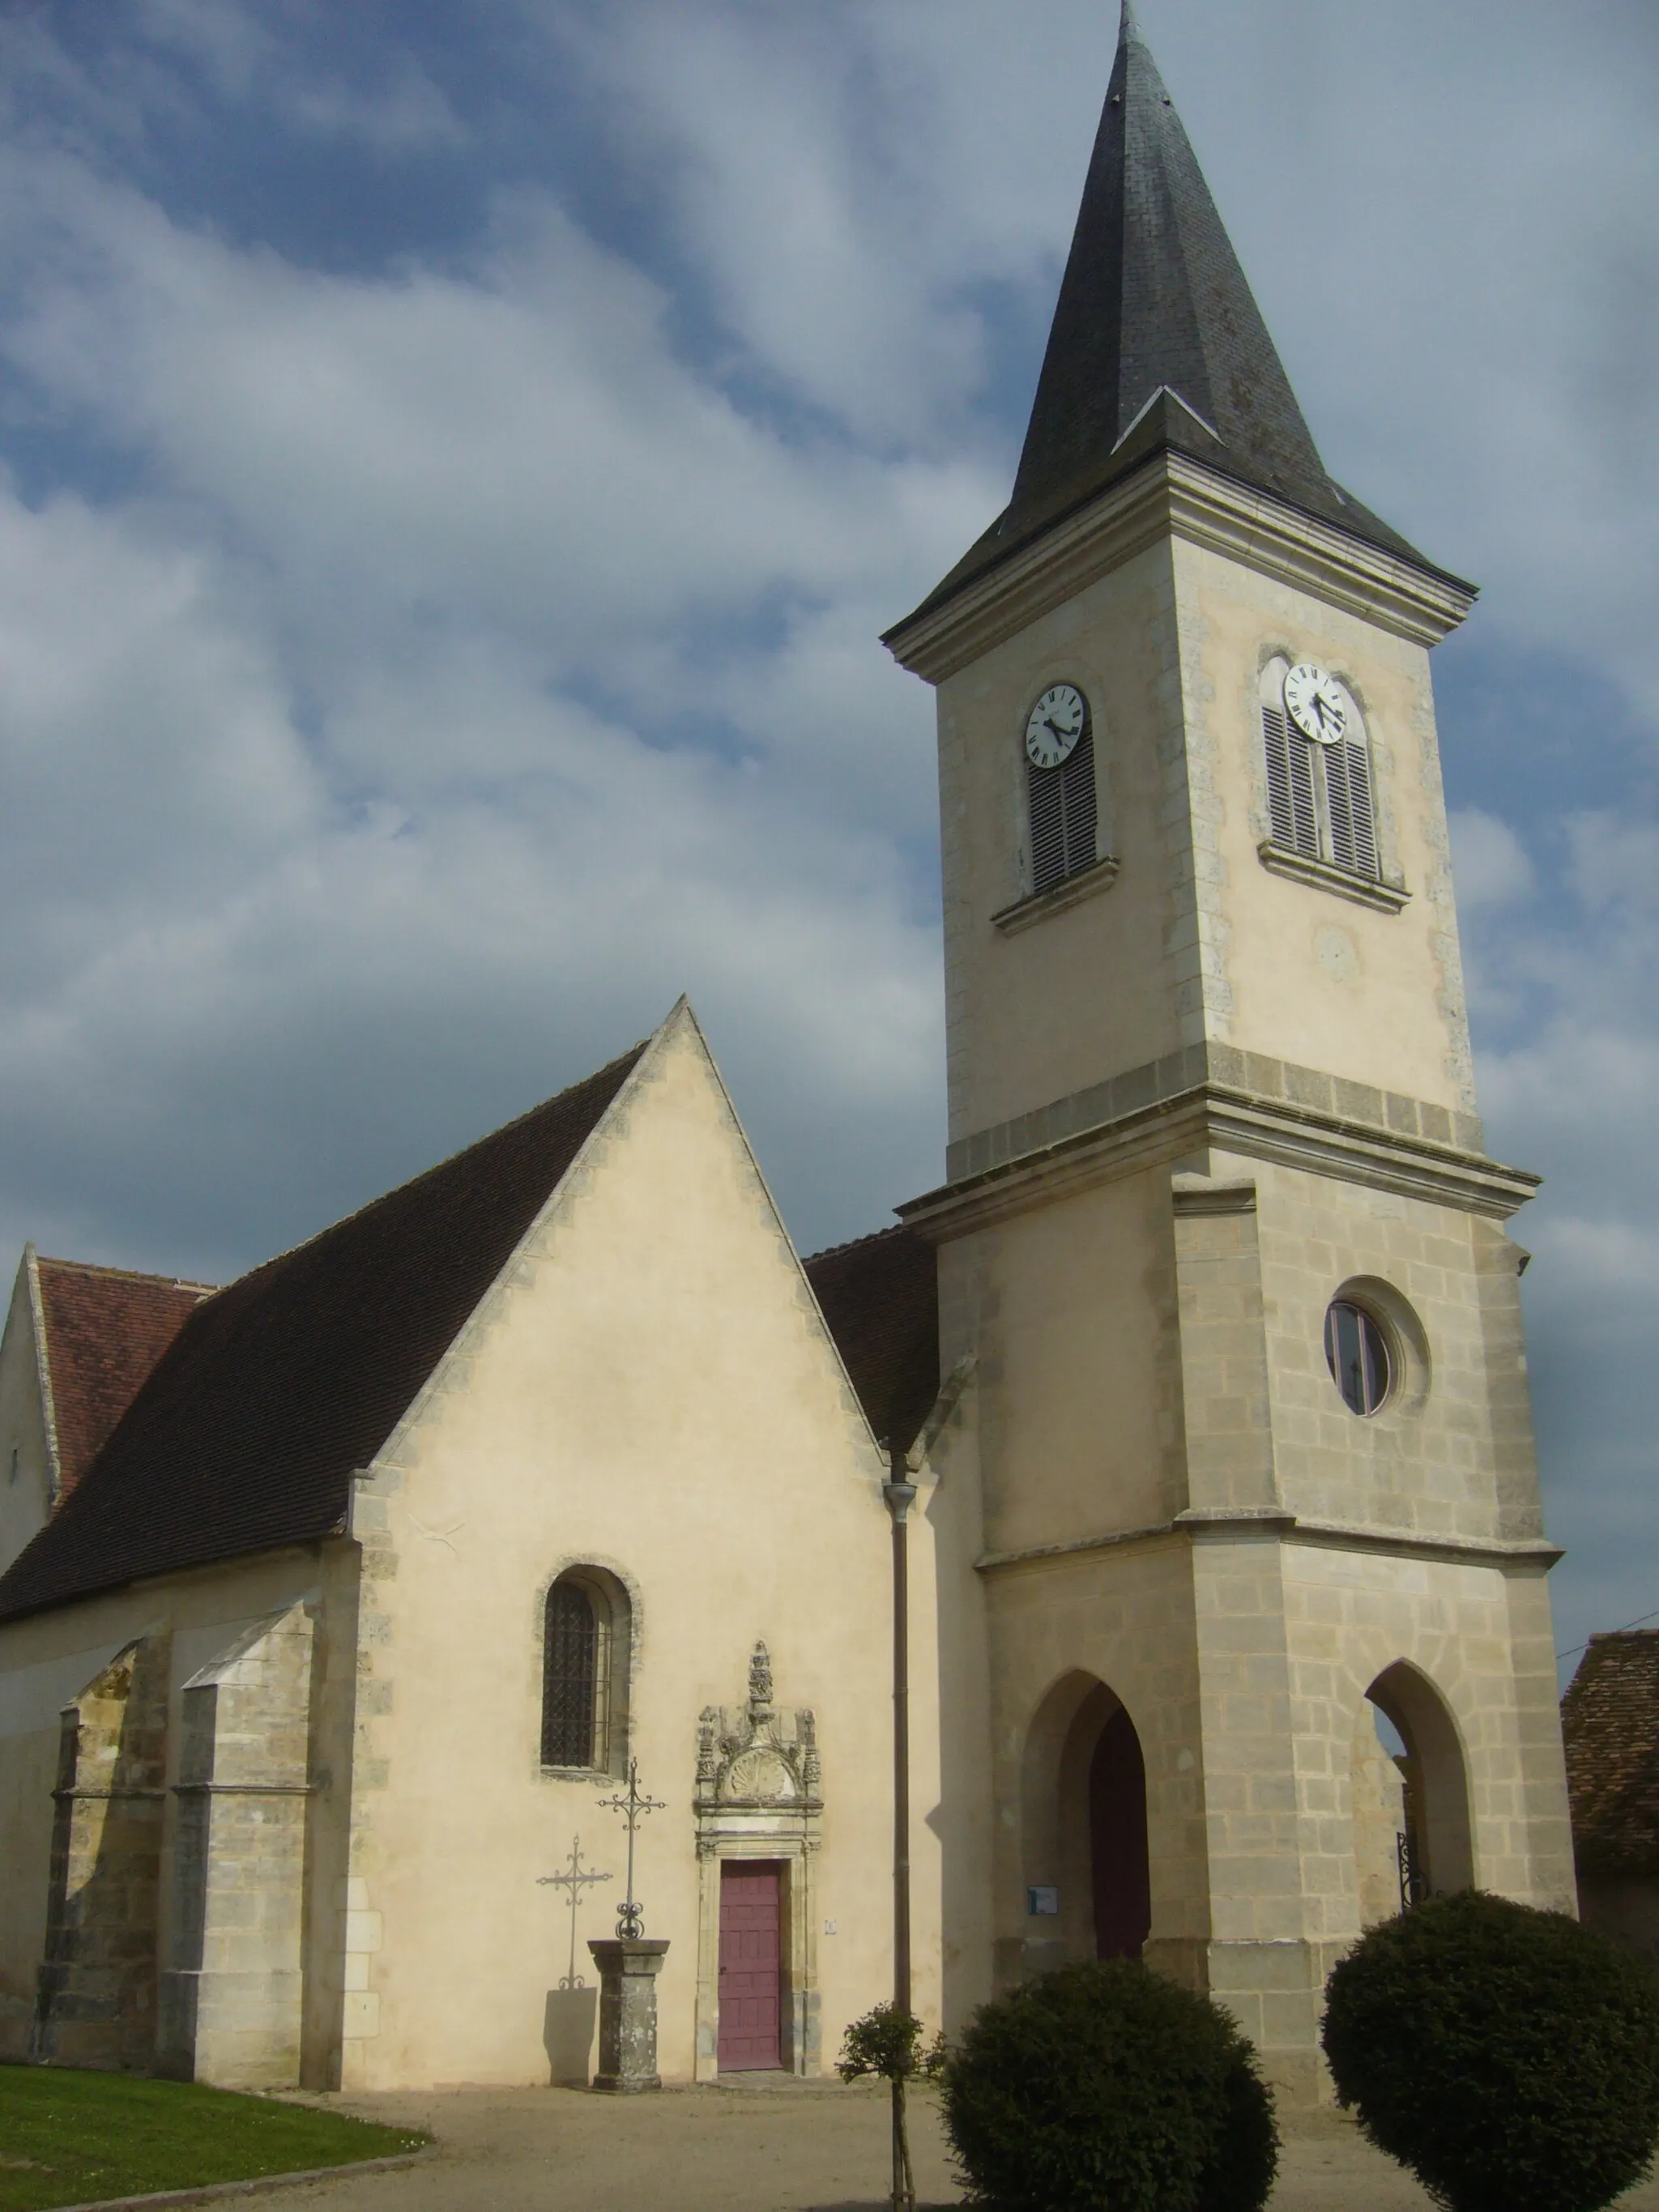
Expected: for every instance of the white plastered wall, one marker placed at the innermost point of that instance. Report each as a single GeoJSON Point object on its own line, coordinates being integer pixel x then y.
{"type": "Point", "coordinates": [649, 1390]}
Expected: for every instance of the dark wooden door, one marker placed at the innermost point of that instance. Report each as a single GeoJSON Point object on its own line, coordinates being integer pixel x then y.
{"type": "Point", "coordinates": [1117, 1823]}
{"type": "Point", "coordinates": [751, 1965]}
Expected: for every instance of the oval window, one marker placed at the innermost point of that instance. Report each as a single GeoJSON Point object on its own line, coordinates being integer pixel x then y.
{"type": "Point", "coordinates": [1357, 1351]}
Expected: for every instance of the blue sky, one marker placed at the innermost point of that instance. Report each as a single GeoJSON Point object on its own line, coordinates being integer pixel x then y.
{"type": "Point", "coordinates": [459, 461]}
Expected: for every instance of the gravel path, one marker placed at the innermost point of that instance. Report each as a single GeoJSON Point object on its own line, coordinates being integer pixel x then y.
{"type": "Point", "coordinates": [795, 2148]}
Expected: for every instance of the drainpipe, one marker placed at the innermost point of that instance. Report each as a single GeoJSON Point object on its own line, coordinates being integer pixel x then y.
{"type": "Point", "coordinates": [900, 1494]}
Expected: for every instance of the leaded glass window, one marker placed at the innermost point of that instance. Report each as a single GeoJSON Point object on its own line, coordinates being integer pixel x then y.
{"type": "Point", "coordinates": [571, 1677]}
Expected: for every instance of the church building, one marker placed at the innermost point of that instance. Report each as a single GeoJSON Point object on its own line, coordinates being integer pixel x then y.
{"type": "Point", "coordinates": [339, 1603]}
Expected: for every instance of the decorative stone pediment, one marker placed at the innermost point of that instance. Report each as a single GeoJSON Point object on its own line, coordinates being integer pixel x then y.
{"type": "Point", "coordinates": [753, 1758]}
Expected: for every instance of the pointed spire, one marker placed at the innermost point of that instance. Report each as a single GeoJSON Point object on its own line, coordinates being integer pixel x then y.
{"type": "Point", "coordinates": [1157, 340]}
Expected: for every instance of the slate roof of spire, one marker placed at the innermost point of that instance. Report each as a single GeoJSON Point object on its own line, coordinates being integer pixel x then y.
{"type": "Point", "coordinates": [1156, 344]}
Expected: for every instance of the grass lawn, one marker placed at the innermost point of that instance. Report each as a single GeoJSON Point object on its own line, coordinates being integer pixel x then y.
{"type": "Point", "coordinates": [69, 2138]}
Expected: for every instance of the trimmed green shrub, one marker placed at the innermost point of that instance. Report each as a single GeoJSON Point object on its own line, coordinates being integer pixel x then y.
{"type": "Point", "coordinates": [1510, 2057]}
{"type": "Point", "coordinates": [1105, 2088]}
{"type": "Point", "coordinates": [887, 2042]}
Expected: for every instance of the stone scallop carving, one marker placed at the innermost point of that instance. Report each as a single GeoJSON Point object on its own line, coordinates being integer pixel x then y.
{"type": "Point", "coordinates": [752, 1757]}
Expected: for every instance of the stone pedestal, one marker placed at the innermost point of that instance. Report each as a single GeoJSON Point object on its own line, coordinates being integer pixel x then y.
{"type": "Point", "coordinates": [628, 1967]}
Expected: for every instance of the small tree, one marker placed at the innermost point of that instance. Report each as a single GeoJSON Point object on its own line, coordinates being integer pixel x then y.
{"type": "Point", "coordinates": [1508, 2056]}
{"type": "Point", "coordinates": [1105, 2088]}
{"type": "Point", "coordinates": [887, 2043]}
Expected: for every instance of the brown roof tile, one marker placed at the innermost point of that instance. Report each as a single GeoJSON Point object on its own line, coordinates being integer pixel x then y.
{"type": "Point", "coordinates": [246, 1433]}
{"type": "Point", "coordinates": [1610, 1726]}
{"type": "Point", "coordinates": [104, 1330]}
{"type": "Point", "coordinates": [880, 1298]}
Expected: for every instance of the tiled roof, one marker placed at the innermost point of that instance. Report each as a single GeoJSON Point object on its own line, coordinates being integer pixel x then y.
{"type": "Point", "coordinates": [1610, 1726]}
{"type": "Point", "coordinates": [246, 1434]}
{"type": "Point", "coordinates": [1156, 344]}
{"type": "Point", "coordinates": [880, 1298]}
{"type": "Point", "coordinates": [104, 1330]}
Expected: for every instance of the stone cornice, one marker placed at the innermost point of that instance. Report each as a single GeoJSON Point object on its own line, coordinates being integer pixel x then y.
{"type": "Point", "coordinates": [1534, 1554]}
{"type": "Point", "coordinates": [1175, 496]}
{"type": "Point", "coordinates": [1212, 1115]}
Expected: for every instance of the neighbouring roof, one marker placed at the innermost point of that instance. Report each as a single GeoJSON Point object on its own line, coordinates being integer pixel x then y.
{"type": "Point", "coordinates": [1610, 1726]}
{"type": "Point", "coordinates": [246, 1434]}
{"type": "Point", "coordinates": [880, 1298]}
{"type": "Point", "coordinates": [105, 1329]}
{"type": "Point", "coordinates": [1158, 343]}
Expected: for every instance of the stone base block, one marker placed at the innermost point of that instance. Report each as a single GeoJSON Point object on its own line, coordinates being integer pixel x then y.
{"type": "Point", "coordinates": [1276, 1992]}
{"type": "Point", "coordinates": [628, 1966]}
{"type": "Point", "coordinates": [238, 2030]}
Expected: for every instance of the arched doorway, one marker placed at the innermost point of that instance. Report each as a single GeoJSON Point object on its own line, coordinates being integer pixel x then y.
{"type": "Point", "coordinates": [1087, 1867]}
{"type": "Point", "coordinates": [1435, 1848]}
{"type": "Point", "coordinates": [1117, 1841]}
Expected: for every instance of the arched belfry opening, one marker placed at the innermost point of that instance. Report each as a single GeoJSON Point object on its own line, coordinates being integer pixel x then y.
{"type": "Point", "coordinates": [1117, 1840]}
{"type": "Point", "coordinates": [1088, 1886]}
{"type": "Point", "coordinates": [1435, 1851]}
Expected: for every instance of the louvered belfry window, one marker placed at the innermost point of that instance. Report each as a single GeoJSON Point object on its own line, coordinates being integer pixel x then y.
{"type": "Point", "coordinates": [1348, 806]}
{"type": "Point", "coordinates": [571, 1668]}
{"type": "Point", "coordinates": [1319, 797]}
{"type": "Point", "coordinates": [1061, 806]}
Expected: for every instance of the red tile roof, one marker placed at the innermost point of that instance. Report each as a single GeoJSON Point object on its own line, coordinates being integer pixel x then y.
{"type": "Point", "coordinates": [246, 1434]}
{"type": "Point", "coordinates": [880, 1298]}
{"type": "Point", "coordinates": [1610, 1726]}
{"type": "Point", "coordinates": [104, 1330]}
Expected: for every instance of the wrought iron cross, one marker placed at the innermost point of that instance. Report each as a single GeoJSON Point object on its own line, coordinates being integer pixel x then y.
{"type": "Point", "coordinates": [631, 1920]}
{"type": "Point", "coordinates": [575, 1878]}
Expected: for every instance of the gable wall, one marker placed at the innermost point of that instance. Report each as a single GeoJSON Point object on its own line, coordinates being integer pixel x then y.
{"type": "Point", "coordinates": [654, 1394]}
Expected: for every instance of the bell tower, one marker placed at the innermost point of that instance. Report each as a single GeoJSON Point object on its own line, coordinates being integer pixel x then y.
{"type": "Point", "coordinates": [1219, 1232]}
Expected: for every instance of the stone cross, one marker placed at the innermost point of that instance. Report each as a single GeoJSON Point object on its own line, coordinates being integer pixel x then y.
{"type": "Point", "coordinates": [575, 1878]}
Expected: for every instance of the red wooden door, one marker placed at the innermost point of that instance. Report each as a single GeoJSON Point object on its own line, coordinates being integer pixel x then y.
{"type": "Point", "coordinates": [751, 1967]}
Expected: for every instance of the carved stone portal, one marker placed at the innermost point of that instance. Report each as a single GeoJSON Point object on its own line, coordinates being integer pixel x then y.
{"type": "Point", "coordinates": [758, 1794]}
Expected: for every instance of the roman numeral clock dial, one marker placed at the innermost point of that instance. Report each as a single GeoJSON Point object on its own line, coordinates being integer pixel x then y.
{"type": "Point", "coordinates": [1054, 725]}
{"type": "Point", "coordinates": [1314, 702]}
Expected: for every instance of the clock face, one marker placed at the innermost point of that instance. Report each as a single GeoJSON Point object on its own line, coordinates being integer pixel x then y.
{"type": "Point", "coordinates": [1054, 725]}
{"type": "Point", "coordinates": [1316, 704]}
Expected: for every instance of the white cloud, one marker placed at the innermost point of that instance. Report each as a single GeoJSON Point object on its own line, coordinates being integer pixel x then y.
{"type": "Point", "coordinates": [1489, 862]}
{"type": "Point", "coordinates": [442, 665]}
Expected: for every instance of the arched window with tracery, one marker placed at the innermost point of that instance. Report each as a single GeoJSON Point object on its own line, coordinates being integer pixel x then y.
{"type": "Point", "coordinates": [584, 1670]}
